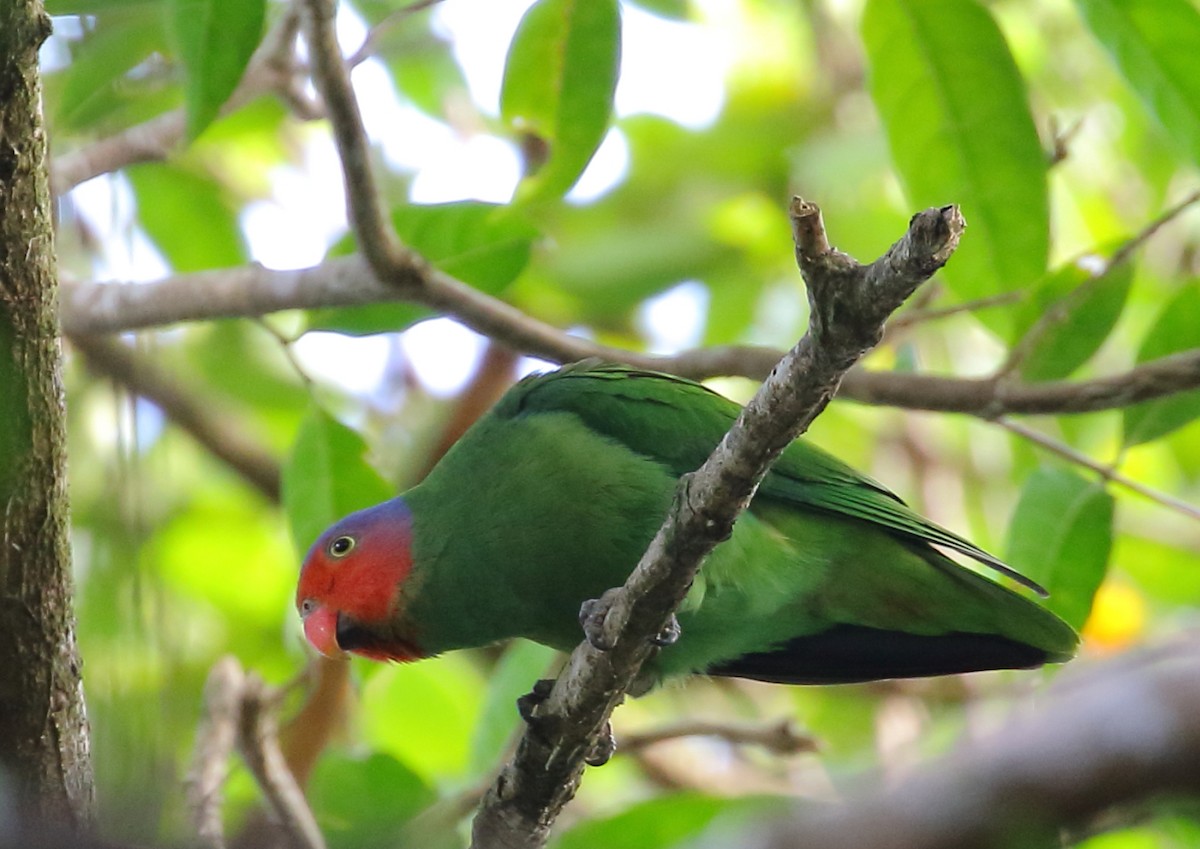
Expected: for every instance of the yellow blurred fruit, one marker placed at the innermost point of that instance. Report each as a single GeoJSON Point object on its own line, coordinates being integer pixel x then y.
{"type": "Point", "coordinates": [1117, 619]}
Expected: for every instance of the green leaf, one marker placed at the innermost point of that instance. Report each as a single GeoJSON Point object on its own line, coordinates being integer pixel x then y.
{"type": "Point", "coordinates": [1166, 569]}
{"type": "Point", "coordinates": [523, 663]}
{"type": "Point", "coordinates": [1084, 310]}
{"type": "Point", "coordinates": [484, 245]}
{"type": "Point", "coordinates": [677, 10]}
{"type": "Point", "coordinates": [960, 131]}
{"type": "Point", "coordinates": [559, 80]}
{"type": "Point", "coordinates": [426, 73]}
{"type": "Point", "coordinates": [368, 320]}
{"type": "Point", "coordinates": [1156, 44]}
{"type": "Point", "coordinates": [423, 712]}
{"type": "Point", "coordinates": [101, 59]}
{"type": "Point", "coordinates": [1175, 330]}
{"type": "Point", "coordinates": [215, 40]}
{"type": "Point", "coordinates": [361, 803]}
{"type": "Point", "coordinates": [191, 555]}
{"type": "Point", "coordinates": [733, 300]}
{"type": "Point", "coordinates": [327, 477]}
{"type": "Point", "coordinates": [240, 361]}
{"type": "Point", "coordinates": [1061, 536]}
{"type": "Point", "coordinates": [201, 232]}
{"type": "Point", "coordinates": [93, 7]}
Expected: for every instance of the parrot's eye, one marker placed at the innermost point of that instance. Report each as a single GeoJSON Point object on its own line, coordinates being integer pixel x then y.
{"type": "Point", "coordinates": [341, 546]}
{"type": "Point", "coordinates": [306, 607]}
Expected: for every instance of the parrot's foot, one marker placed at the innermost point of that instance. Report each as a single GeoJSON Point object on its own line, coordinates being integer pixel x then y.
{"type": "Point", "coordinates": [592, 616]}
{"type": "Point", "coordinates": [527, 704]}
{"type": "Point", "coordinates": [669, 635]}
{"type": "Point", "coordinates": [602, 748]}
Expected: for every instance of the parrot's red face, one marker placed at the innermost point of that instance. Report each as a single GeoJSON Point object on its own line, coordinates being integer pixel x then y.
{"type": "Point", "coordinates": [350, 581]}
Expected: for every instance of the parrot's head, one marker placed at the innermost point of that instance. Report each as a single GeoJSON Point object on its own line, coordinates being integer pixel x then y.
{"type": "Point", "coordinates": [350, 585]}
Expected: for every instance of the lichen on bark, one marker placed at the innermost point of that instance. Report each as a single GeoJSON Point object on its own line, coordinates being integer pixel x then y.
{"type": "Point", "coordinates": [44, 751]}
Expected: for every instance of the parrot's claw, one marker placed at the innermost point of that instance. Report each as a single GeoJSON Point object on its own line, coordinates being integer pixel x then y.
{"type": "Point", "coordinates": [602, 748]}
{"type": "Point", "coordinates": [527, 704]}
{"type": "Point", "coordinates": [592, 616]}
{"type": "Point", "coordinates": [669, 635]}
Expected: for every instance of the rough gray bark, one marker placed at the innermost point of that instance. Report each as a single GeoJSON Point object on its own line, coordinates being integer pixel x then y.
{"type": "Point", "coordinates": [44, 750]}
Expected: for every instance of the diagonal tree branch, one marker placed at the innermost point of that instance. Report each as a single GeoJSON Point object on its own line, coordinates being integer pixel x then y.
{"type": "Point", "coordinates": [240, 712]}
{"type": "Point", "coordinates": [391, 261]}
{"type": "Point", "coordinates": [849, 304]}
{"type": "Point", "coordinates": [1123, 732]}
{"type": "Point", "coordinates": [1108, 473]}
{"type": "Point", "coordinates": [259, 744]}
{"type": "Point", "coordinates": [109, 357]}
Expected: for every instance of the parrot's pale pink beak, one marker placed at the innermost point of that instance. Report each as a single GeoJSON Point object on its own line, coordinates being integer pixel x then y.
{"type": "Point", "coordinates": [320, 628]}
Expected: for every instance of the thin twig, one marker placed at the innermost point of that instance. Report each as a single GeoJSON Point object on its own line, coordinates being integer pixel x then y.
{"type": "Point", "coordinates": [908, 318]}
{"type": "Point", "coordinates": [375, 34]}
{"type": "Point", "coordinates": [389, 259]}
{"type": "Point", "coordinates": [285, 343]}
{"type": "Point", "coordinates": [1170, 214]}
{"type": "Point", "coordinates": [259, 745]}
{"type": "Point", "coordinates": [1107, 472]}
{"type": "Point", "coordinates": [1061, 309]}
{"type": "Point", "coordinates": [779, 737]}
{"type": "Point", "coordinates": [215, 739]}
{"type": "Point", "coordinates": [1060, 141]}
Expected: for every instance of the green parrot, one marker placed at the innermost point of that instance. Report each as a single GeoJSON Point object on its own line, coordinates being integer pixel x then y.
{"type": "Point", "coordinates": [551, 498]}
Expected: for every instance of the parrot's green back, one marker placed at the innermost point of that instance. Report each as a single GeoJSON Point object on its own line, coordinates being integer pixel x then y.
{"type": "Point", "coordinates": [552, 497]}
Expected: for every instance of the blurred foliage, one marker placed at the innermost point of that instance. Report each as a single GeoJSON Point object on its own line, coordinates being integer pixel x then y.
{"type": "Point", "coordinates": [873, 108]}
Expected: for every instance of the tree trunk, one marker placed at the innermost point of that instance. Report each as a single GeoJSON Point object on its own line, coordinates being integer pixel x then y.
{"type": "Point", "coordinates": [44, 755]}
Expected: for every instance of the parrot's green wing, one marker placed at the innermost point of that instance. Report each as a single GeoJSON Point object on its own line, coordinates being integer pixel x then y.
{"type": "Point", "coordinates": [828, 577]}
{"type": "Point", "coordinates": [678, 422]}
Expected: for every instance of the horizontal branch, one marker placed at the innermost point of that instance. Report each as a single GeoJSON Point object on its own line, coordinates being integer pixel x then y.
{"type": "Point", "coordinates": [1118, 733]}
{"type": "Point", "coordinates": [249, 291]}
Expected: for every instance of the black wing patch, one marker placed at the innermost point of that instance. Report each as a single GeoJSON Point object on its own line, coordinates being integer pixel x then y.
{"type": "Point", "coordinates": [847, 654]}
